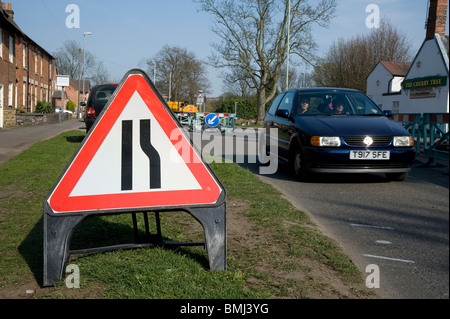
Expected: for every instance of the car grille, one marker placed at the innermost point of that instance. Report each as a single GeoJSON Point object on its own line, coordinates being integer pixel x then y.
{"type": "Point", "coordinates": [359, 140]}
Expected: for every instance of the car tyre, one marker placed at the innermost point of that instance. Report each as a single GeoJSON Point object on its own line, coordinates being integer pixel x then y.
{"type": "Point", "coordinates": [298, 165]}
{"type": "Point", "coordinates": [397, 177]}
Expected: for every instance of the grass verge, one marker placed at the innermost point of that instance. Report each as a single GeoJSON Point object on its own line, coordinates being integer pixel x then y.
{"type": "Point", "coordinates": [274, 251]}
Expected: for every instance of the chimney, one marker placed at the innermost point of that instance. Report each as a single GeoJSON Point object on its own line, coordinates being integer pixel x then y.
{"type": "Point", "coordinates": [9, 11]}
{"type": "Point", "coordinates": [437, 18]}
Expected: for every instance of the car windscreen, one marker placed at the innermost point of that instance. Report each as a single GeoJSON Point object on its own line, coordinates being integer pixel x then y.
{"type": "Point", "coordinates": [335, 103]}
{"type": "Point", "coordinates": [100, 97]}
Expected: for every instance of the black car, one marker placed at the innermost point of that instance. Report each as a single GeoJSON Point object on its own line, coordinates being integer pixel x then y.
{"type": "Point", "coordinates": [99, 96]}
{"type": "Point", "coordinates": [331, 130]}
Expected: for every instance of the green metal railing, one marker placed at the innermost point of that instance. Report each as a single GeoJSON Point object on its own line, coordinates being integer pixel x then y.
{"type": "Point", "coordinates": [196, 121]}
{"type": "Point", "coordinates": [430, 132]}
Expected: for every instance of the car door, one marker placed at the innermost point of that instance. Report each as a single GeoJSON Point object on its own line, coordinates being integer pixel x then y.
{"type": "Point", "coordinates": [268, 121]}
{"type": "Point", "coordinates": [283, 121]}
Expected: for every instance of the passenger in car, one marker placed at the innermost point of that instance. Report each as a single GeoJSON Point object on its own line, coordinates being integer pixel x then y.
{"type": "Point", "coordinates": [338, 107]}
{"type": "Point", "coordinates": [335, 107]}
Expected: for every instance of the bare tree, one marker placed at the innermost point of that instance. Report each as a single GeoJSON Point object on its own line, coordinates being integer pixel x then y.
{"type": "Point", "coordinates": [179, 72]}
{"type": "Point", "coordinates": [237, 82]}
{"type": "Point", "coordinates": [69, 63]}
{"type": "Point", "coordinates": [254, 37]}
{"type": "Point", "coordinates": [100, 74]}
{"type": "Point", "coordinates": [297, 79]}
{"type": "Point", "coordinates": [348, 63]}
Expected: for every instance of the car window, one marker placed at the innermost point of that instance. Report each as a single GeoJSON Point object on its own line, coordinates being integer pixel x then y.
{"type": "Point", "coordinates": [275, 103]}
{"type": "Point", "coordinates": [316, 102]}
{"type": "Point", "coordinates": [104, 93]}
{"type": "Point", "coordinates": [287, 102]}
{"type": "Point", "coordinates": [336, 103]}
{"type": "Point", "coordinates": [363, 105]}
{"type": "Point", "coordinates": [100, 96]}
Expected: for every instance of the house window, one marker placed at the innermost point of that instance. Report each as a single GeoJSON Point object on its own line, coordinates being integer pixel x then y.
{"type": "Point", "coordinates": [24, 53]}
{"type": "Point", "coordinates": [31, 98]}
{"type": "Point", "coordinates": [35, 61]}
{"type": "Point", "coordinates": [1, 43]}
{"type": "Point", "coordinates": [395, 107]}
{"type": "Point", "coordinates": [11, 49]}
{"type": "Point", "coordinates": [24, 94]}
{"type": "Point", "coordinates": [10, 94]}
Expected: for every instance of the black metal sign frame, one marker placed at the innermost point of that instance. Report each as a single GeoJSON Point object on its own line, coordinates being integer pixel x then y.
{"type": "Point", "coordinates": [59, 227]}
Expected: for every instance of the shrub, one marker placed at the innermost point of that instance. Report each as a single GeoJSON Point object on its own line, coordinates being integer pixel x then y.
{"type": "Point", "coordinates": [71, 105]}
{"type": "Point", "coordinates": [43, 107]}
{"type": "Point", "coordinates": [246, 108]}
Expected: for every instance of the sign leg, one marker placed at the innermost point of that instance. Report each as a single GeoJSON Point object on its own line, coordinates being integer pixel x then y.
{"type": "Point", "coordinates": [214, 223]}
{"type": "Point", "coordinates": [57, 234]}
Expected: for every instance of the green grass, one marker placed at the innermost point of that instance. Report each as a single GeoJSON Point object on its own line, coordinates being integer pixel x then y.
{"type": "Point", "coordinates": [284, 257]}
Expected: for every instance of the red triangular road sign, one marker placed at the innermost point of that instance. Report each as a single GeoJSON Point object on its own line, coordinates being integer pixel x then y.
{"type": "Point", "coordinates": [135, 157]}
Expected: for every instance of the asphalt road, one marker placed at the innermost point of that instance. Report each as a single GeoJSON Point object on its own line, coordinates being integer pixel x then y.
{"type": "Point", "coordinates": [401, 228]}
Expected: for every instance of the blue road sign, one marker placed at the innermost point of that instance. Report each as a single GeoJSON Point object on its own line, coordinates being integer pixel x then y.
{"type": "Point", "coordinates": [212, 120]}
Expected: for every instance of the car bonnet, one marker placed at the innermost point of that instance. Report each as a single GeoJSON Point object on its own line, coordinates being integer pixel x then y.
{"type": "Point", "coordinates": [349, 126]}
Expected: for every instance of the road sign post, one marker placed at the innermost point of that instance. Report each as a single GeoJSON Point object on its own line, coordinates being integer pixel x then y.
{"type": "Point", "coordinates": [63, 81]}
{"type": "Point", "coordinates": [136, 158]}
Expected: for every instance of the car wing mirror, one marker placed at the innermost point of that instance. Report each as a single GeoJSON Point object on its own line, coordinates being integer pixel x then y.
{"type": "Point", "coordinates": [387, 113]}
{"type": "Point", "coordinates": [283, 113]}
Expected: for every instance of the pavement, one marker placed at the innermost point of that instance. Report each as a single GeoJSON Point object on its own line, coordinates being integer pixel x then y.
{"type": "Point", "coordinates": [16, 139]}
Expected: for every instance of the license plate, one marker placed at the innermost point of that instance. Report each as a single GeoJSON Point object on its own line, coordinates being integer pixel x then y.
{"type": "Point", "coordinates": [369, 155]}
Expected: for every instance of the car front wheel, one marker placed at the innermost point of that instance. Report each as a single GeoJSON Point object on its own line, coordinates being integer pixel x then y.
{"type": "Point", "coordinates": [298, 165]}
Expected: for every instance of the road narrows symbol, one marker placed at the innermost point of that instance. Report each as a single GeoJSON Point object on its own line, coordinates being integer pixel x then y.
{"type": "Point", "coordinates": [127, 155]}
{"type": "Point", "coordinates": [147, 148]}
{"type": "Point", "coordinates": [152, 154]}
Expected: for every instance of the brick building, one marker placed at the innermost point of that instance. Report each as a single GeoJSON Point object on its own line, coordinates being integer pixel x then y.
{"type": "Point", "coordinates": [27, 71]}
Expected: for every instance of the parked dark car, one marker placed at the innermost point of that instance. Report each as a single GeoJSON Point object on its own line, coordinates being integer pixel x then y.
{"type": "Point", "coordinates": [354, 137]}
{"type": "Point", "coordinates": [99, 96]}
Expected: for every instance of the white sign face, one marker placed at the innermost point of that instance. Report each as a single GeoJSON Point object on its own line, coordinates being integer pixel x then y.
{"type": "Point", "coordinates": [62, 80]}
{"type": "Point", "coordinates": [200, 98]}
{"type": "Point", "coordinates": [102, 175]}
{"type": "Point", "coordinates": [136, 156]}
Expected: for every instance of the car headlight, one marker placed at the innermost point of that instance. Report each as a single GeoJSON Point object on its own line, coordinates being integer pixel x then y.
{"type": "Point", "coordinates": [334, 141]}
{"type": "Point", "coordinates": [403, 141]}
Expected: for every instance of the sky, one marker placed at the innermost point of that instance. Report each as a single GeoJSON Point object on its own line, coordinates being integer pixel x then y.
{"type": "Point", "coordinates": [125, 33]}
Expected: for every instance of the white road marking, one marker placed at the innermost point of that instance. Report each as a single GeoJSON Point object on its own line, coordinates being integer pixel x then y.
{"type": "Point", "coordinates": [372, 226]}
{"type": "Point", "coordinates": [384, 242]}
{"type": "Point", "coordinates": [389, 258]}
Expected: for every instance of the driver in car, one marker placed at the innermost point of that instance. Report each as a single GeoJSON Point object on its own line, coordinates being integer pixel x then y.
{"type": "Point", "coordinates": [304, 105]}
